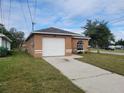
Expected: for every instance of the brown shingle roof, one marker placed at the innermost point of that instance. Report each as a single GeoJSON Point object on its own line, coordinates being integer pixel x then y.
{"type": "Point", "coordinates": [55, 30]}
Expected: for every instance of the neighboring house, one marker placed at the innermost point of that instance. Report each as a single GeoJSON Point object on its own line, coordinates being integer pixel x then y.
{"type": "Point", "coordinates": [55, 42]}
{"type": "Point", "coordinates": [1, 25]}
{"type": "Point", "coordinates": [5, 41]}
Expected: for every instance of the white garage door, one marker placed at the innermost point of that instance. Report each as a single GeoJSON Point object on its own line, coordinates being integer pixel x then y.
{"type": "Point", "coordinates": [53, 47]}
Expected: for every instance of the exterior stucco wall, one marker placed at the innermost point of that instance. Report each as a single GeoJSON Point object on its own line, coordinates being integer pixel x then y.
{"type": "Point", "coordinates": [37, 45]}
{"type": "Point", "coordinates": [30, 45]}
{"type": "Point", "coordinates": [85, 44]}
{"type": "Point", "coordinates": [36, 39]}
{"type": "Point", "coordinates": [68, 46]}
{"type": "Point", "coordinates": [74, 44]}
{"type": "Point", "coordinates": [34, 44]}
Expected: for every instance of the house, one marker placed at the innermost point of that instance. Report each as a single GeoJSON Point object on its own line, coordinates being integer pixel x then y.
{"type": "Point", "coordinates": [5, 41]}
{"type": "Point", "coordinates": [55, 42]}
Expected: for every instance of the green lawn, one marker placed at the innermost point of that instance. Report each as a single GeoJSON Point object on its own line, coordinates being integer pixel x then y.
{"type": "Point", "coordinates": [103, 50]}
{"type": "Point", "coordinates": [113, 63]}
{"type": "Point", "coordinates": [21, 73]}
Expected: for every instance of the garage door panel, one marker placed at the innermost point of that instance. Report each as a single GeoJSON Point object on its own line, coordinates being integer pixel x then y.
{"type": "Point", "coordinates": [53, 46]}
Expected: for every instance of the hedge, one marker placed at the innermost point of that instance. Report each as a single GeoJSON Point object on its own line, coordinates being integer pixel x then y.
{"type": "Point", "coordinates": [3, 52]}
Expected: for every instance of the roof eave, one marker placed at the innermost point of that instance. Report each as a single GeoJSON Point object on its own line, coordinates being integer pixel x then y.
{"type": "Point", "coordinates": [64, 34]}
{"type": "Point", "coordinates": [53, 33]}
{"type": "Point", "coordinates": [28, 36]}
{"type": "Point", "coordinates": [77, 37]}
{"type": "Point", "coordinates": [3, 36]}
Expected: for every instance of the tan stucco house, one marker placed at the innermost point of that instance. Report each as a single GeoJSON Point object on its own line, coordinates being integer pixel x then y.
{"type": "Point", "coordinates": [55, 42]}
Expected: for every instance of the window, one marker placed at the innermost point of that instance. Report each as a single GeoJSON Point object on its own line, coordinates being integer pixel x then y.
{"type": "Point", "coordinates": [80, 45]}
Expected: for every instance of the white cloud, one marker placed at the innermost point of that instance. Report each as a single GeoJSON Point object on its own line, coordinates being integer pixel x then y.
{"type": "Point", "coordinates": [62, 13]}
{"type": "Point", "coordinates": [73, 8]}
{"type": "Point", "coordinates": [114, 6]}
{"type": "Point", "coordinates": [77, 7]}
{"type": "Point", "coordinates": [118, 34]}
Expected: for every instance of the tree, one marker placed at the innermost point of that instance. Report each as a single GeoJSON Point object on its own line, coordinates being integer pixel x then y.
{"type": "Point", "coordinates": [99, 33]}
{"type": "Point", "coordinates": [120, 42]}
{"type": "Point", "coordinates": [17, 37]}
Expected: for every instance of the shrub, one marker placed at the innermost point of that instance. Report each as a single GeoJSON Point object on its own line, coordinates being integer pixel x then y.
{"type": "Point", "coordinates": [3, 52]}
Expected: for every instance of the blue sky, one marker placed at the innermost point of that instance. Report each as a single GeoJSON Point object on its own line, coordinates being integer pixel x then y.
{"type": "Point", "coordinates": [65, 14]}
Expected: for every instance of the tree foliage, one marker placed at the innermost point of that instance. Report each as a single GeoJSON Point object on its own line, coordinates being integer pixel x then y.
{"type": "Point", "coordinates": [120, 42]}
{"type": "Point", "coordinates": [99, 33]}
{"type": "Point", "coordinates": [17, 37]}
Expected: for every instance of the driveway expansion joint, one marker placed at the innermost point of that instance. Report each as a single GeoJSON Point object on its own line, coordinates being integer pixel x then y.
{"type": "Point", "coordinates": [100, 75]}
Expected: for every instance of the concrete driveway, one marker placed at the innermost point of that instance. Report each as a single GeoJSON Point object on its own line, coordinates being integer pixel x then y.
{"type": "Point", "coordinates": [88, 77]}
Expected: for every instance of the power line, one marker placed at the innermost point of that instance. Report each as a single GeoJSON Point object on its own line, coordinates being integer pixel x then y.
{"type": "Point", "coordinates": [119, 21]}
{"type": "Point", "coordinates": [9, 15]}
{"type": "Point", "coordinates": [23, 14]}
{"type": "Point", "coordinates": [35, 13]}
{"type": "Point", "coordinates": [29, 11]}
{"type": "Point", "coordinates": [116, 19]}
{"type": "Point", "coordinates": [1, 12]}
{"type": "Point", "coordinates": [35, 9]}
{"type": "Point", "coordinates": [30, 15]}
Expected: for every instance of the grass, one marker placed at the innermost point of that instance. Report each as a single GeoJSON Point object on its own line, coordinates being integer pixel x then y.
{"type": "Point", "coordinates": [103, 50]}
{"type": "Point", "coordinates": [21, 73]}
{"type": "Point", "coordinates": [119, 51]}
{"type": "Point", "coordinates": [113, 63]}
